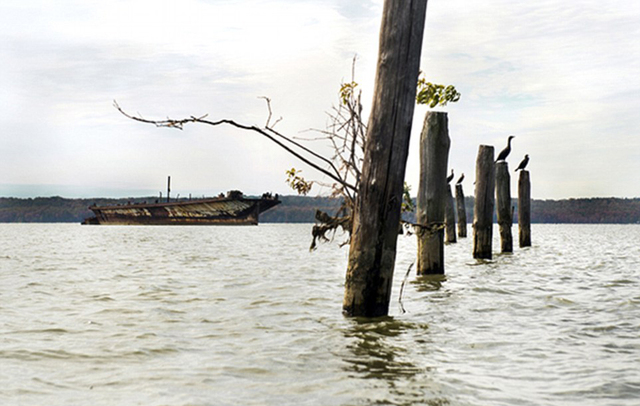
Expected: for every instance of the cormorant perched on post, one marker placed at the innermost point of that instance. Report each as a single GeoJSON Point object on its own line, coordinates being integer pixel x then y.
{"type": "Point", "coordinates": [523, 164]}
{"type": "Point", "coordinates": [505, 152]}
{"type": "Point", "coordinates": [460, 179]}
{"type": "Point", "coordinates": [450, 177]}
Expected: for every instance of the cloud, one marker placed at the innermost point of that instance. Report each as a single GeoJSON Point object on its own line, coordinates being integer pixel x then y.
{"type": "Point", "coordinates": [161, 59]}
{"type": "Point", "coordinates": [559, 75]}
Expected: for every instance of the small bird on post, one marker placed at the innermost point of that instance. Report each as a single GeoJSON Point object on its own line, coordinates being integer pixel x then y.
{"type": "Point", "coordinates": [523, 164]}
{"type": "Point", "coordinates": [450, 177]}
{"type": "Point", "coordinates": [505, 152]}
{"type": "Point", "coordinates": [460, 179]}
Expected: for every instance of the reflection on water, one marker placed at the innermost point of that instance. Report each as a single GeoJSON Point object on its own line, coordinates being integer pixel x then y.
{"type": "Point", "coordinates": [427, 283]}
{"type": "Point", "coordinates": [373, 355]}
{"type": "Point", "coordinates": [380, 355]}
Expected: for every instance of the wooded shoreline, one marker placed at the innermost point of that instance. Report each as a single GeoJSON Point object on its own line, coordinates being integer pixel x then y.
{"type": "Point", "coordinates": [301, 209]}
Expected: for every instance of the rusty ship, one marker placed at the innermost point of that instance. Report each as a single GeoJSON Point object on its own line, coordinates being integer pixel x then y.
{"type": "Point", "coordinates": [230, 209]}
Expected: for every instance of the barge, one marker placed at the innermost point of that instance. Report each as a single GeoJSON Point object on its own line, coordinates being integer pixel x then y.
{"type": "Point", "coordinates": [232, 209]}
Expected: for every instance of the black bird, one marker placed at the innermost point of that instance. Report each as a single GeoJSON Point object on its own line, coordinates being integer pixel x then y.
{"type": "Point", "coordinates": [505, 152]}
{"type": "Point", "coordinates": [523, 164]}
{"type": "Point", "coordinates": [450, 177]}
{"type": "Point", "coordinates": [460, 179]}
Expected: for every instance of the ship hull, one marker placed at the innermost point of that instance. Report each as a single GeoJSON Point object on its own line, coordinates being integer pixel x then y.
{"type": "Point", "coordinates": [217, 211]}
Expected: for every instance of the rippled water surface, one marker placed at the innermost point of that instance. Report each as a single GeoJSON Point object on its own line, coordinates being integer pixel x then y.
{"type": "Point", "coordinates": [247, 316]}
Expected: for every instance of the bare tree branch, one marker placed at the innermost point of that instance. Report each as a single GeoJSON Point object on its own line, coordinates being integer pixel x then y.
{"type": "Point", "coordinates": [179, 124]}
{"type": "Point", "coordinates": [345, 132]}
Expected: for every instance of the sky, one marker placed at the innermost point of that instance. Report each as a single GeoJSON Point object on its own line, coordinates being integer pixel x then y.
{"type": "Point", "coordinates": [563, 77]}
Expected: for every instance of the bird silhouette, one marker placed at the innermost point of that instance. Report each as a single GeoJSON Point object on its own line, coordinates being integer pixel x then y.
{"type": "Point", "coordinates": [505, 152]}
{"type": "Point", "coordinates": [460, 179]}
{"type": "Point", "coordinates": [450, 177]}
{"type": "Point", "coordinates": [523, 164]}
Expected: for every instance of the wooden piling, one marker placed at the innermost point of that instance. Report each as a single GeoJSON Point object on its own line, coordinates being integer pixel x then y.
{"type": "Point", "coordinates": [524, 209]}
{"type": "Point", "coordinates": [484, 203]}
{"type": "Point", "coordinates": [449, 218]}
{"type": "Point", "coordinates": [462, 212]}
{"type": "Point", "coordinates": [503, 209]}
{"type": "Point", "coordinates": [431, 201]}
{"type": "Point", "coordinates": [376, 218]}
{"type": "Point", "coordinates": [168, 188]}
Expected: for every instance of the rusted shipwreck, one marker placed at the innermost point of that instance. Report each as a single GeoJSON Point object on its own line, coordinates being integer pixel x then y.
{"type": "Point", "coordinates": [232, 209]}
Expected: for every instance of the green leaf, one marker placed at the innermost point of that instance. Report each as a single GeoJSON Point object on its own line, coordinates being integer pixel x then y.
{"type": "Point", "coordinates": [435, 94]}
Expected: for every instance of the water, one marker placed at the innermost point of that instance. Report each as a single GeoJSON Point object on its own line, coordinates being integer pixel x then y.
{"type": "Point", "coordinates": [247, 316]}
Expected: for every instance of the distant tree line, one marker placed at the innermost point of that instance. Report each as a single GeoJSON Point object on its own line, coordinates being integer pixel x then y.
{"type": "Point", "coordinates": [593, 210]}
{"type": "Point", "coordinates": [52, 209]}
{"type": "Point", "coordinates": [302, 209]}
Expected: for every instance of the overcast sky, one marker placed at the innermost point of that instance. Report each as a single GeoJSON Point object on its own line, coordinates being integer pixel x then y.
{"type": "Point", "coordinates": [562, 76]}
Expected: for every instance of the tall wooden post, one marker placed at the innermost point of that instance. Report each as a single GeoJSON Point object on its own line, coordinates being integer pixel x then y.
{"type": "Point", "coordinates": [449, 217]}
{"type": "Point", "coordinates": [484, 202]}
{"type": "Point", "coordinates": [168, 188]}
{"type": "Point", "coordinates": [503, 211]}
{"type": "Point", "coordinates": [376, 220]}
{"type": "Point", "coordinates": [430, 207]}
{"type": "Point", "coordinates": [524, 209]}
{"type": "Point", "coordinates": [462, 212]}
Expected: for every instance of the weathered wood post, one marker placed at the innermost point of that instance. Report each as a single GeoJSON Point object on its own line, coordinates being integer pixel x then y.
{"type": "Point", "coordinates": [524, 209]}
{"type": "Point", "coordinates": [449, 217]}
{"type": "Point", "coordinates": [462, 211]}
{"type": "Point", "coordinates": [503, 210]}
{"type": "Point", "coordinates": [430, 207]}
{"type": "Point", "coordinates": [484, 202]}
{"type": "Point", "coordinates": [168, 188]}
{"type": "Point", "coordinates": [376, 218]}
